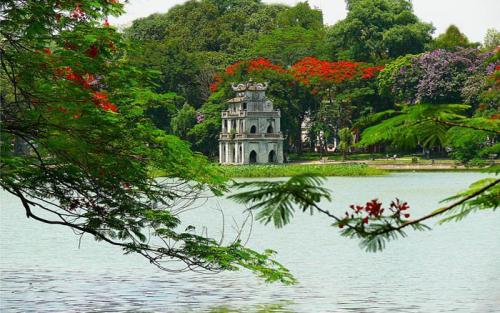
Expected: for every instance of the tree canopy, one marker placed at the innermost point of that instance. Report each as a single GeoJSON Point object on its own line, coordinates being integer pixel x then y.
{"type": "Point", "coordinates": [438, 77]}
{"type": "Point", "coordinates": [378, 29]}
{"type": "Point", "coordinates": [452, 39]}
{"type": "Point", "coordinates": [492, 39]}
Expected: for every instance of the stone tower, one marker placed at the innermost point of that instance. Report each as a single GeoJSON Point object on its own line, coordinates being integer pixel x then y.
{"type": "Point", "coordinates": [251, 130]}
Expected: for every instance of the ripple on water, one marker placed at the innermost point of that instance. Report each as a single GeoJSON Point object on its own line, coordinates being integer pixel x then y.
{"type": "Point", "coordinates": [454, 268]}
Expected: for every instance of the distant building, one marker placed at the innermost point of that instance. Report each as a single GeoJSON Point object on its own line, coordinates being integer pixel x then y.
{"type": "Point", "coordinates": [251, 130]}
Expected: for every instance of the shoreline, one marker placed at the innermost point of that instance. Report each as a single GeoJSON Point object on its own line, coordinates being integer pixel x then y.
{"type": "Point", "coordinates": [401, 166]}
{"type": "Point", "coordinates": [358, 168]}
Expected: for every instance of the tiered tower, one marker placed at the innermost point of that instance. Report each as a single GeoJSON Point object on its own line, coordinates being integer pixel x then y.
{"type": "Point", "coordinates": [251, 130]}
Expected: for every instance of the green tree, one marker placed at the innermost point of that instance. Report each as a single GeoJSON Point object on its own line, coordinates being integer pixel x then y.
{"type": "Point", "coordinates": [208, 25]}
{"type": "Point", "coordinates": [192, 42]}
{"type": "Point", "coordinates": [378, 29]}
{"type": "Point", "coordinates": [301, 15]}
{"type": "Point", "coordinates": [451, 39]}
{"type": "Point", "coordinates": [177, 69]}
{"type": "Point", "coordinates": [184, 121]}
{"type": "Point", "coordinates": [346, 138]}
{"type": "Point", "coordinates": [78, 112]}
{"type": "Point", "coordinates": [292, 98]}
{"type": "Point", "coordinates": [492, 39]}
{"type": "Point", "coordinates": [288, 45]}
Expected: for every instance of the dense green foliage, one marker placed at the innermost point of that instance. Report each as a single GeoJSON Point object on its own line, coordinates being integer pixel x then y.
{"type": "Point", "coordinates": [289, 45]}
{"type": "Point", "coordinates": [184, 121]}
{"type": "Point", "coordinates": [378, 29]}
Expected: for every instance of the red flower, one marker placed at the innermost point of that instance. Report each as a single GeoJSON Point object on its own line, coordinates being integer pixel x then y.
{"type": "Point", "coordinates": [101, 98]}
{"type": "Point", "coordinates": [106, 24]}
{"type": "Point", "coordinates": [365, 220]}
{"type": "Point", "coordinates": [77, 13]}
{"type": "Point", "coordinates": [92, 52]}
{"type": "Point", "coordinates": [213, 87]}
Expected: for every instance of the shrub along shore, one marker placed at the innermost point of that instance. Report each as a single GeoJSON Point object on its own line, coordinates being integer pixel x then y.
{"type": "Point", "coordinates": [340, 170]}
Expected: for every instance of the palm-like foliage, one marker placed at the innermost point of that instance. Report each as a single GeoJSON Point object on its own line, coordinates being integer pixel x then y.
{"type": "Point", "coordinates": [277, 199]}
{"type": "Point", "coordinates": [426, 124]}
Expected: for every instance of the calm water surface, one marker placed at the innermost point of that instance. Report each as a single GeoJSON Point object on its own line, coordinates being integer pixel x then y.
{"type": "Point", "coordinates": [454, 268]}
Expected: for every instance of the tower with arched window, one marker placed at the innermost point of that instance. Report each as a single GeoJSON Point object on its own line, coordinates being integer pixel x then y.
{"type": "Point", "coordinates": [251, 130]}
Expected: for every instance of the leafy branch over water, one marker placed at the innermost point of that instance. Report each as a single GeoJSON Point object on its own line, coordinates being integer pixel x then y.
{"type": "Point", "coordinates": [372, 224]}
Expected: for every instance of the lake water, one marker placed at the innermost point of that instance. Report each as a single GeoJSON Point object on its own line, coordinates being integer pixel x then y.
{"type": "Point", "coordinates": [453, 268]}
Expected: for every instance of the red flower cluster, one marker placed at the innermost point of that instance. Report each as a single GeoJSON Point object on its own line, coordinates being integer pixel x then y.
{"type": "Point", "coordinates": [311, 69]}
{"type": "Point", "coordinates": [253, 66]}
{"type": "Point", "coordinates": [371, 71]}
{"type": "Point", "coordinates": [101, 98]}
{"type": "Point", "coordinates": [77, 79]}
{"type": "Point", "coordinates": [230, 69]}
{"type": "Point", "coordinates": [398, 207]}
{"type": "Point", "coordinates": [262, 64]}
{"type": "Point", "coordinates": [374, 209]}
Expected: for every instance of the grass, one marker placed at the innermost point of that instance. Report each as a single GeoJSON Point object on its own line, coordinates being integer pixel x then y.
{"type": "Point", "coordinates": [348, 170]}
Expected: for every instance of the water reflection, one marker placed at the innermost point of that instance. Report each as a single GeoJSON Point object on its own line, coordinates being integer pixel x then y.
{"type": "Point", "coordinates": [263, 308]}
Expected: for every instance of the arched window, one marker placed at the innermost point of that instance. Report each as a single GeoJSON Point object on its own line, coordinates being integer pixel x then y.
{"type": "Point", "coordinates": [244, 105]}
{"type": "Point", "coordinates": [241, 155]}
{"type": "Point", "coordinates": [270, 129]}
{"type": "Point", "coordinates": [272, 157]}
{"type": "Point", "coordinates": [225, 126]}
{"type": "Point", "coordinates": [253, 157]}
{"type": "Point", "coordinates": [253, 130]}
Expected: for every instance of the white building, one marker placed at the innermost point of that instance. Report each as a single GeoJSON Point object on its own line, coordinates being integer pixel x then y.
{"type": "Point", "coordinates": [251, 130]}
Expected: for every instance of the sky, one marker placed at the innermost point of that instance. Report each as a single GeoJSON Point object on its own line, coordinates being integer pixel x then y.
{"type": "Point", "coordinates": [473, 17]}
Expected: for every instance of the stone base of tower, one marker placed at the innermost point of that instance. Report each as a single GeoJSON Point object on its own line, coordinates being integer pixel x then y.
{"type": "Point", "coordinates": [239, 152]}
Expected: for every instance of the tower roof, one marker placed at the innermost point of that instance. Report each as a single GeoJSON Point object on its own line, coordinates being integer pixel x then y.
{"type": "Point", "coordinates": [250, 85]}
